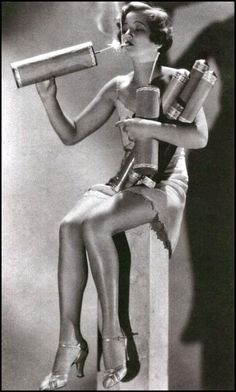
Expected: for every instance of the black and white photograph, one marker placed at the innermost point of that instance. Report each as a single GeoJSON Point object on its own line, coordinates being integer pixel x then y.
{"type": "Point", "coordinates": [117, 195]}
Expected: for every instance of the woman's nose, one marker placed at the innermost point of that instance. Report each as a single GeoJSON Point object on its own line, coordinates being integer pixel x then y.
{"type": "Point", "coordinates": [128, 34]}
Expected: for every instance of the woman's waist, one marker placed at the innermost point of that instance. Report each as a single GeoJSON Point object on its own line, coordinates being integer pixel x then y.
{"type": "Point", "coordinates": [175, 170]}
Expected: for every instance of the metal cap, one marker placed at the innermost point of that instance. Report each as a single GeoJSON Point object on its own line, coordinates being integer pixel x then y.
{"type": "Point", "coordinates": [200, 65]}
{"type": "Point", "coordinates": [174, 111]}
{"type": "Point", "coordinates": [148, 182]}
{"type": "Point", "coordinates": [180, 77]}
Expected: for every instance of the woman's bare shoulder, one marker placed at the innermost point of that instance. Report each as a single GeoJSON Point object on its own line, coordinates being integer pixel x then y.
{"type": "Point", "coordinates": [119, 82]}
{"type": "Point", "coordinates": [125, 80]}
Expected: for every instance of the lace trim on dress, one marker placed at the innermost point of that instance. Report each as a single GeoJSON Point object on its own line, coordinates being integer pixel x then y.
{"type": "Point", "coordinates": [160, 230]}
{"type": "Point", "coordinates": [156, 223]}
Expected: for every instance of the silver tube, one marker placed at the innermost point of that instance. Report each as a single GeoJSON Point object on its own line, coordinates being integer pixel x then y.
{"type": "Point", "coordinates": [53, 64]}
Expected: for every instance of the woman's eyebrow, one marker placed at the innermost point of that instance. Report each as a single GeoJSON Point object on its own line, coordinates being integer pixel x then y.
{"type": "Point", "coordinates": [136, 21]}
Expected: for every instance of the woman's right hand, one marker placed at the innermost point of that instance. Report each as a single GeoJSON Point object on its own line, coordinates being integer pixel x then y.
{"type": "Point", "coordinates": [47, 89]}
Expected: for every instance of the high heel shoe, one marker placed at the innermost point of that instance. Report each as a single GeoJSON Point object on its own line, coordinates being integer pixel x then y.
{"type": "Point", "coordinates": [56, 381]}
{"type": "Point", "coordinates": [115, 375]}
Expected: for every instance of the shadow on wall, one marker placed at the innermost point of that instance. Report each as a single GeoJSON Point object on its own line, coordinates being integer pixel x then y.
{"type": "Point", "coordinates": [209, 213]}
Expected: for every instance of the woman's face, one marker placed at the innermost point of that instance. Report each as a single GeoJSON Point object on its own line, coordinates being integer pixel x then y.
{"type": "Point", "coordinates": [136, 33]}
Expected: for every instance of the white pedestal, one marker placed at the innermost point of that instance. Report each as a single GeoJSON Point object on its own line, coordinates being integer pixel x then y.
{"type": "Point", "coordinates": [148, 312]}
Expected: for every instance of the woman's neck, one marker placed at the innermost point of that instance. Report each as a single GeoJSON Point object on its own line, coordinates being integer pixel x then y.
{"type": "Point", "coordinates": [142, 73]}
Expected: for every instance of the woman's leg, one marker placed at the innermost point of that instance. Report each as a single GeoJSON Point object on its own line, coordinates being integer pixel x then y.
{"type": "Point", "coordinates": [72, 279]}
{"type": "Point", "coordinates": [122, 212]}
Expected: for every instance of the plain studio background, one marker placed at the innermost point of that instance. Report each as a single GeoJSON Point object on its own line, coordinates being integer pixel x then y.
{"type": "Point", "coordinates": [42, 179]}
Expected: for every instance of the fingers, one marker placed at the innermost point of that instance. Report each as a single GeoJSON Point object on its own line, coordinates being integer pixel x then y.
{"type": "Point", "coordinates": [53, 80]}
{"type": "Point", "coordinates": [118, 123]}
{"type": "Point", "coordinates": [46, 83]}
{"type": "Point", "coordinates": [122, 125]}
{"type": "Point", "coordinates": [130, 121]}
{"type": "Point", "coordinates": [130, 138]}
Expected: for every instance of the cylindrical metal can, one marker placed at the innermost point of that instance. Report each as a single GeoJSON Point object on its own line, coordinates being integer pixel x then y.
{"type": "Point", "coordinates": [146, 157]}
{"type": "Point", "coordinates": [198, 97]}
{"type": "Point", "coordinates": [173, 90]}
{"type": "Point", "coordinates": [53, 64]}
{"type": "Point", "coordinates": [195, 76]}
{"type": "Point", "coordinates": [174, 111]}
{"type": "Point", "coordinates": [148, 102]}
{"type": "Point", "coordinates": [146, 152]}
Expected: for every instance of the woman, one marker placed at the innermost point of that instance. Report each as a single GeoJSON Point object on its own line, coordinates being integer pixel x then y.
{"type": "Point", "coordinates": [101, 212]}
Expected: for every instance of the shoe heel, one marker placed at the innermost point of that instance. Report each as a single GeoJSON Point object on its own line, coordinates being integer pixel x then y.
{"type": "Point", "coordinates": [79, 363]}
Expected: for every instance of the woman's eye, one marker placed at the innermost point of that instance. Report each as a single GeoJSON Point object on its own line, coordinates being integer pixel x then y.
{"type": "Point", "coordinates": [137, 29]}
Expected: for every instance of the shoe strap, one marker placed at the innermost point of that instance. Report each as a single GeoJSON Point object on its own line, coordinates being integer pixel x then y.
{"type": "Point", "coordinates": [116, 369]}
{"type": "Point", "coordinates": [63, 345]}
{"type": "Point", "coordinates": [114, 338]}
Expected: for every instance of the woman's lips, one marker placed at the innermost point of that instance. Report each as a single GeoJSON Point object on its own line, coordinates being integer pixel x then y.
{"type": "Point", "coordinates": [127, 39]}
{"type": "Point", "coordinates": [128, 43]}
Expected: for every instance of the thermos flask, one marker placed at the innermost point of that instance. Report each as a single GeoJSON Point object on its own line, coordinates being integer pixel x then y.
{"type": "Point", "coordinates": [146, 152]}
{"type": "Point", "coordinates": [195, 76]}
{"type": "Point", "coordinates": [174, 88]}
{"type": "Point", "coordinates": [53, 64]}
{"type": "Point", "coordinates": [198, 97]}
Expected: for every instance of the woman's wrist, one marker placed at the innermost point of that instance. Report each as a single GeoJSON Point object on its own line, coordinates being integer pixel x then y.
{"type": "Point", "coordinates": [49, 101]}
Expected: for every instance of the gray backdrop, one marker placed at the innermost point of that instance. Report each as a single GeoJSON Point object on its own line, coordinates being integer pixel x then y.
{"type": "Point", "coordinates": [42, 179]}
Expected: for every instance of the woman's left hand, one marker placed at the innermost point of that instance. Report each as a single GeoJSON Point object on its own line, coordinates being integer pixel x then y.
{"type": "Point", "coordinates": [135, 128]}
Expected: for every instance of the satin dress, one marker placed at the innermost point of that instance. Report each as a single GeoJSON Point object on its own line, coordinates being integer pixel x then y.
{"type": "Point", "coordinates": [169, 195]}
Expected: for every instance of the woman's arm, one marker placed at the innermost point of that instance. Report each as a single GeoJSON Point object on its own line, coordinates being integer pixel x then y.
{"type": "Point", "coordinates": [190, 136]}
{"type": "Point", "coordinates": [91, 118]}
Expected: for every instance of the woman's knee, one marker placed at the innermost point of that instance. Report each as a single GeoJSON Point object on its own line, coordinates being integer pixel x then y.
{"type": "Point", "coordinates": [95, 226]}
{"type": "Point", "coordinates": [70, 227]}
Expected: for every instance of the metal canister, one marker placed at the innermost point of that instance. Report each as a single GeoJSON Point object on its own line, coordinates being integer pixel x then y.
{"type": "Point", "coordinates": [146, 156]}
{"type": "Point", "coordinates": [148, 102]}
{"type": "Point", "coordinates": [53, 64]}
{"type": "Point", "coordinates": [146, 152]}
{"type": "Point", "coordinates": [174, 111]}
{"type": "Point", "coordinates": [173, 90]}
{"type": "Point", "coordinates": [197, 71]}
{"type": "Point", "coordinates": [198, 97]}
{"type": "Point", "coordinates": [181, 101]}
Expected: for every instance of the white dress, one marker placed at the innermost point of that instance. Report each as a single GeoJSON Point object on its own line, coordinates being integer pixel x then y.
{"type": "Point", "coordinates": [167, 198]}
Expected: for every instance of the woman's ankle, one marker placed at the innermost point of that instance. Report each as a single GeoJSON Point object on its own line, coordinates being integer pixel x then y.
{"type": "Point", "coordinates": [114, 352]}
{"type": "Point", "coordinates": [70, 334]}
{"type": "Point", "coordinates": [111, 330]}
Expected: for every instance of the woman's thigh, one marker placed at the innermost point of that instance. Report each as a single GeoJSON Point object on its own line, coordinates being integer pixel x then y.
{"type": "Point", "coordinates": [84, 206]}
{"type": "Point", "coordinates": [121, 212]}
